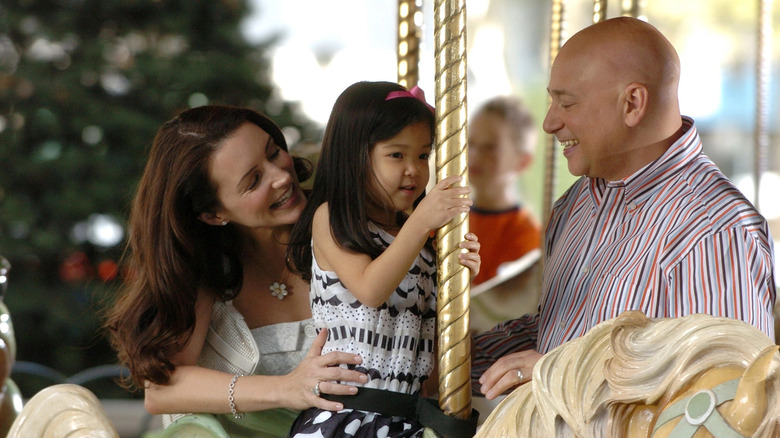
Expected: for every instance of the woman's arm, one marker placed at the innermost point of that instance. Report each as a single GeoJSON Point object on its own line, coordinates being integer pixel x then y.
{"type": "Point", "coordinates": [197, 389]}
{"type": "Point", "coordinates": [191, 352]}
{"type": "Point", "coordinates": [373, 281]}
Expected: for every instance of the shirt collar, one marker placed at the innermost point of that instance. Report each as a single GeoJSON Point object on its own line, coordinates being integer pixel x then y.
{"type": "Point", "coordinates": [682, 151]}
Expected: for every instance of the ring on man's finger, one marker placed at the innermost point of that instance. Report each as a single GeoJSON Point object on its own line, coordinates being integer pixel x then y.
{"type": "Point", "coordinates": [316, 389]}
{"type": "Point", "coordinates": [520, 375]}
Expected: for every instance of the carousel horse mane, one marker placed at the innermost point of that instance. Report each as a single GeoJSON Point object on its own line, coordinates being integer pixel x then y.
{"type": "Point", "coordinates": [64, 410]}
{"type": "Point", "coordinates": [620, 377]}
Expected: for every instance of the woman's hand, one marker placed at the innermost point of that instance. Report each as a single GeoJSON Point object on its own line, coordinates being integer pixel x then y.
{"type": "Point", "coordinates": [321, 371]}
{"type": "Point", "coordinates": [470, 259]}
{"type": "Point", "coordinates": [198, 389]}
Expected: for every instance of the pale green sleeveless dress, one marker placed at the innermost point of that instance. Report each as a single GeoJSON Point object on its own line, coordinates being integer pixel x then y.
{"type": "Point", "coordinates": [231, 347]}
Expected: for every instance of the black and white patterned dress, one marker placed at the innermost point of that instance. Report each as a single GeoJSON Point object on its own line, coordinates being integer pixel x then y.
{"type": "Point", "coordinates": [395, 340]}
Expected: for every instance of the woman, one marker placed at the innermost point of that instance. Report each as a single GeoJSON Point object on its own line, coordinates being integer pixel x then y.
{"type": "Point", "coordinates": [211, 320]}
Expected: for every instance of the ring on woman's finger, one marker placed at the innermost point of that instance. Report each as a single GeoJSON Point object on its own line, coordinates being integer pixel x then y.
{"type": "Point", "coordinates": [520, 375]}
{"type": "Point", "coordinates": [316, 389]}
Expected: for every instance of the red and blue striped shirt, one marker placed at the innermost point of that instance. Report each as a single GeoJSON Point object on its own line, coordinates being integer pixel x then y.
{"type": "Point", "coordinates": [673, 239]}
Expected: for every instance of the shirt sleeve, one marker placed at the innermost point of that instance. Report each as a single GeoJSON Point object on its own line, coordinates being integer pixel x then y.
{"type": "Point", "coordinates": [507, 337]}
{"type": "Point", "coordinates": [727, 274]}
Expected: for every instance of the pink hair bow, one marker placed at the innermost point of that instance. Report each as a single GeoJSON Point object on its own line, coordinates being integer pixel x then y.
{"type": "Point", "coordinates": [416, 93]}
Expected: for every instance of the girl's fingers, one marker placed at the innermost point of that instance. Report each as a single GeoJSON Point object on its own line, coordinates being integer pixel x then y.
{"type": "Point", "coordinates": [469, 258]}
{"type": "Point", "coordinates": [473, 265]}
{"type": "Point", "coordinates": [471, 237]}
{"type": "Point", "coordinates": [450, 180]}
{"type": "Point", "coordinates": [471, 246]}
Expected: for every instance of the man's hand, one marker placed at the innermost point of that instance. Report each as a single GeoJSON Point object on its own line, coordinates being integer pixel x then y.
{"type": "Point", "coordinates": [503, 375]}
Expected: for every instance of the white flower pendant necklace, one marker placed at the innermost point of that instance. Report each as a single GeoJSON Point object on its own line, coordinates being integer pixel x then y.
{"type": "Point", "coordinates": [279, 288]}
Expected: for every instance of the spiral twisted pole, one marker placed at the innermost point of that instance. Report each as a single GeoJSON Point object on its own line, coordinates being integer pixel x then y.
{"type": "Point", "coordinates": [408, 38]}
{"type": "Point", "coordinates": [599, 10]}
{"type": "Point", "coordinates": [763, 73]}
{"type": "Point", "coordinates": [557, 36]}
{"type": "Point", "coordinates": [633, 8]}
{"type": "Point", "coordinates": [452, 159]}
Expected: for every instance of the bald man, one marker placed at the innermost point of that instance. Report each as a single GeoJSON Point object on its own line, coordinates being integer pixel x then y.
{"type": "Point", "coordinates": [651, 225]}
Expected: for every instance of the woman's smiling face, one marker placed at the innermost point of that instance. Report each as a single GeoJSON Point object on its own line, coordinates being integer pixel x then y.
{"type": "Point", "coordinates": [256, 182]}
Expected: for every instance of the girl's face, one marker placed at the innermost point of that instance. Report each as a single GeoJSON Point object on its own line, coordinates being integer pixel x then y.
{"type": "Point", "coordinates": [256, 182]}
{"type": "Point", "coordinates": [400, 167]}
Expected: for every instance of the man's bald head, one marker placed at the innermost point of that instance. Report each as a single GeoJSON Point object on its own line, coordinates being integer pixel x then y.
{"type": "Point", "coordinates": [614, 98]}
{"type": "Point", "coordinates": [630, 50]}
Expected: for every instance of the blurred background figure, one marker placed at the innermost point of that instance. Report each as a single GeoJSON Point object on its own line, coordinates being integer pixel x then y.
{"type": "Point", "coordinates": [502, 138]}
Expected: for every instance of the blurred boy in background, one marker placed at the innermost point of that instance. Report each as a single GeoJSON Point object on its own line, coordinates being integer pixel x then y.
{"type": "Point", "coordinates": [502, 137]}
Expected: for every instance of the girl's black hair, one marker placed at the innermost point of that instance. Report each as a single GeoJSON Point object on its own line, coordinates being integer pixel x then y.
{"type": "Point", "coordinates": [361, 117]}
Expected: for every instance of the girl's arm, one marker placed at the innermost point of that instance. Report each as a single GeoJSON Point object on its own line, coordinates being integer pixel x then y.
{"type": "Point", "coordinates": [373, 281]}
{"type": "Point", "coordinates": [196, 389]}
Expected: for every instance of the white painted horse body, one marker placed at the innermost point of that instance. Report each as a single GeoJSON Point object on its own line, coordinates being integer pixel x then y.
{"type": "Point", "coordinates": [620, 378]}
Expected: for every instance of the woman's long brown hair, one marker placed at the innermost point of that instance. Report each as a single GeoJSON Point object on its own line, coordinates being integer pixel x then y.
{"type": "Point", "coordinates": [171, 253]}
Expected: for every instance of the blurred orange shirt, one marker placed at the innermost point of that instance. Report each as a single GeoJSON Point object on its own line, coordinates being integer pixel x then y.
{"type": "Point", "coordinates": [504, 236]}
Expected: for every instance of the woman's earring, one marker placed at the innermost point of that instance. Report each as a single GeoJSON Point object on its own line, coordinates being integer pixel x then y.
{"type": "Point", "coordinates": [224, 222]}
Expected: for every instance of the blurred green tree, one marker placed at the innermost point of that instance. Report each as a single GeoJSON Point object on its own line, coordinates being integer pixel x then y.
{"type": "Point", "coordinates": [84, 84]}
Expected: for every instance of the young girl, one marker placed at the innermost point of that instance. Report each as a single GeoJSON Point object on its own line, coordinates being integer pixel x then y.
{"type": "Point", "coordinates": [372, 268]}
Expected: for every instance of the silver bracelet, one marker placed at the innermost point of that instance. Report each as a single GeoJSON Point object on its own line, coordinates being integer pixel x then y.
{"type": "Point", "coordinates": [232, 400]}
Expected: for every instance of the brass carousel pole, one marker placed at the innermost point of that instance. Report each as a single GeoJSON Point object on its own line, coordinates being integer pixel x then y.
{"type": "Point", "coordinates": [763, 70]}
{"type": "Point", "coordinates": [557, 35]}
{"type": "Point", "coordinates": [632, 8]}
{"type": "Point", "coordinates": [408, 42]}
{"type": "Point", "coordinates": [599, 10]}
{"type": "Point", "coordinates": [452, 159]}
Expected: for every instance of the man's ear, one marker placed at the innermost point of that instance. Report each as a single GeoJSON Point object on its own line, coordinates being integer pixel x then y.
{"type": "Point", "coordinates": [635, 103]}
{"type": "Point", "coordinates": [211, 219]}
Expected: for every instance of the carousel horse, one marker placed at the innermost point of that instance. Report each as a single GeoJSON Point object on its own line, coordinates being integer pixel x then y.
{"type": "Point", "coordinates": [631, 376]}
{"type": "Point", "coordinates": [57, 411]}
{"type": "Point", "coordinates": [69, 410]}
{"type": "Point", "coordinates": [10, 397]}
{"type": "Point", "coordinates": [64, 410]}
